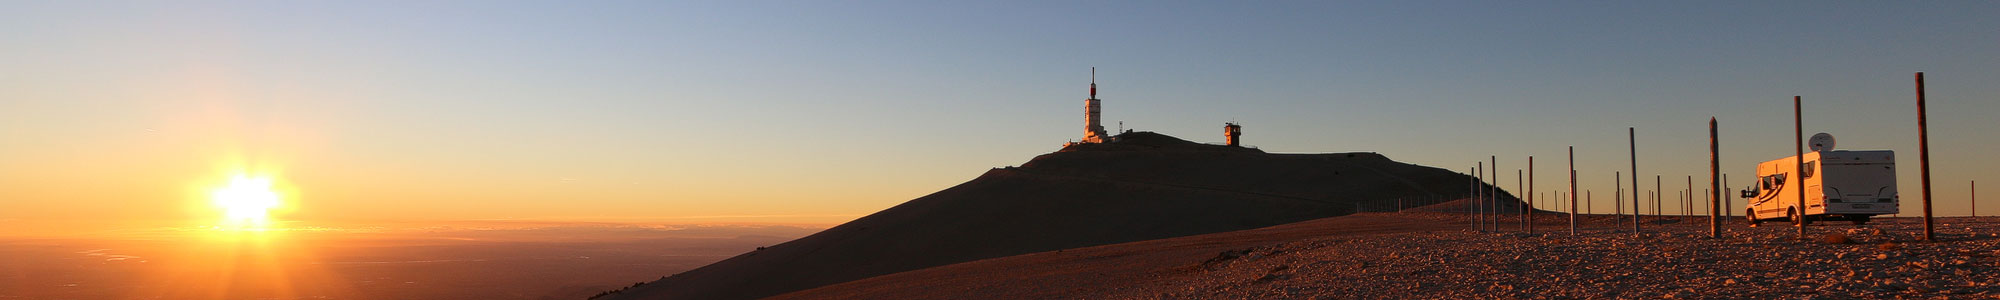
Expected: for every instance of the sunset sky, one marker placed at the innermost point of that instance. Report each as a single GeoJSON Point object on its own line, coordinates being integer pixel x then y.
{"type": "Point", "coordinates": [817, 112]}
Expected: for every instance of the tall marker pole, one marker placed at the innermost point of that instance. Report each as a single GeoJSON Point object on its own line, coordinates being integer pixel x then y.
{"type": "Point", "coordinates": [1479, 193]}
{"type": "Point", "coordinates": [1531, 193]}
{"type": "Point", "coordinates": [1572, 190]}
{"type": "Point", "coordinates": [1797, 180]}
{"type": "Point", "coordinates": [1975, 198]}
{"type": "Point", "coordinates": [1493, 199]}
{"type": "Point", "coordinates": [1632, 138]}
{"type": "Point", "coordinates": [1714, 182]}
{"type": "Point", "coordinates": [1687, 205]}
{"type": "Point", "coordinates": [1618, 198]}
{"type": "Point", "coordinates": [1924, 155]}
{"type": "Point", "coordinates": [1470, 187]}
{"type": "Point", "coordinates": [1519, 186]}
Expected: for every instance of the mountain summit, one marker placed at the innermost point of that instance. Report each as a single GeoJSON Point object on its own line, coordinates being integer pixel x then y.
{"type": "Point", "coordinates": [1141, 186]}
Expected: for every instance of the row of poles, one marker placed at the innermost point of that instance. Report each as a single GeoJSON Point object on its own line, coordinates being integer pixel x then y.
{"type": "Point", "coordinates": [1403, 203]}
{"type": "Point", "coordinates": [1484, 211]}
{"type": "Point", "coordinates": [1688, 205]}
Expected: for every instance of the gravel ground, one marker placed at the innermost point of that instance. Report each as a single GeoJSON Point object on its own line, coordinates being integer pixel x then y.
{"type": "Point", "coordinates": [1673, 258]}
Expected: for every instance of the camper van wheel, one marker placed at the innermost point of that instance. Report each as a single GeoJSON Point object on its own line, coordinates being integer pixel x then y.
{"type": "Point", "coordinates": [1752, 215]}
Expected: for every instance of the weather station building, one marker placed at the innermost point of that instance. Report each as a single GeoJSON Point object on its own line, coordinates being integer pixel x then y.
{"type": "Point", "coordinates": [1233, 134]}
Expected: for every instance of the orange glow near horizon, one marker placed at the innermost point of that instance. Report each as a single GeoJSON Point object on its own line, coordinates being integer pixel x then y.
{"type": "Point", "coordinates": [240, 263]}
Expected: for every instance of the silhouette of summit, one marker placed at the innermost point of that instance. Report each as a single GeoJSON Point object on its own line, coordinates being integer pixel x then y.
{"type": "Point", "coordinates": [1140, 186]}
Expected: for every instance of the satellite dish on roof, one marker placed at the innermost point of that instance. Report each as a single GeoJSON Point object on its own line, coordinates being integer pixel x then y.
{"type": "Point", "coordinates": [1821, 142]}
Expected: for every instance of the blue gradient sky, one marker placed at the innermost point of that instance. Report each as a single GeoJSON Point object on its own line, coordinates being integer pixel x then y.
{"type": "Point", "coordinates": [821, 111]}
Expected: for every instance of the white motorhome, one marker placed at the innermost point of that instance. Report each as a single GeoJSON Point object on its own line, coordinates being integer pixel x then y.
{"type": "Point", "coordinates": [1839, 185]}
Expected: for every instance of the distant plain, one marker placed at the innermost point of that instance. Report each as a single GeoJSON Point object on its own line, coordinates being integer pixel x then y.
{"type": "Point", "coordinates": [437, 260]}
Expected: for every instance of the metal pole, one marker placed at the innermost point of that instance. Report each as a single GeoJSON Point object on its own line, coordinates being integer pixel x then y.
{"type": "Point", "coordinates": [1520, 186]}
{"type": "Point", "coordinates": [1659, 195]}
{"type": "Point", "coordinates": [1478, 218]}
{"type": "Point", "coordinates": [1632, 138]}
{"type": "Point", "coordinates": [1714, 182]}
{"type": "Point", "coordinates": [1469, 188]}
{"type": "Point", "coordinates": [1531, 193]}
{"type": "Point", "coordinates": [1618, 198]}
{"type": "Point", "coordinates": [1924, 156]}
{"type": "Point", "coordinates": [1798, 182]}
{"type": "Point", "coordinates": [1493, 199]}
{"type": "Point", "coordinates": [1687, 204]}
{"type": "Point", "coordinates": [1572, 190]}
{"type": "Point", "coordinates": [1975, 198]}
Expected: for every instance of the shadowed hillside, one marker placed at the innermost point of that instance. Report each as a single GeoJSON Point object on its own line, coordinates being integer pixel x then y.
{"type": "Point", "coordinates": [1145, 186]}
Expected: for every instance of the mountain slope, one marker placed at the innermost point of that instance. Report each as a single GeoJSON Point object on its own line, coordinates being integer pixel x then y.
{"type": "Point", "coordinates": [1145, 186]}
{"type": "Point", "coordinates": [1126, 270]}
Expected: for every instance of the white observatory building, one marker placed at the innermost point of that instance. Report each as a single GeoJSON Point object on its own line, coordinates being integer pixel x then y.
{"type": "Point", "coordinates": [1093, 110]}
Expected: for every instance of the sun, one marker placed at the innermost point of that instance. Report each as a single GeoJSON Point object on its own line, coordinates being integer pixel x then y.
{"type": "Point", "coordinates": [246, 201]}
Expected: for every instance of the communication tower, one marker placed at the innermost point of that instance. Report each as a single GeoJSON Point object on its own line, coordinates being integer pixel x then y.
{"type": "Point", "coordinates": [1093, 128]}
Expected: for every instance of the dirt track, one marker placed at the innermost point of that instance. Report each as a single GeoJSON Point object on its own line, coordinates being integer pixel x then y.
{"type": "Point", "coordinates": [1432, 255]}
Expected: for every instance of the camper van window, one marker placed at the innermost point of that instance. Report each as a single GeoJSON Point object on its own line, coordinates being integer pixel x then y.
{"type": "Point", "coordinates": [1808, 173]}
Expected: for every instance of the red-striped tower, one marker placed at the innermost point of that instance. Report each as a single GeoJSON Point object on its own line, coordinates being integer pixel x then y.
{"type": "Point", "coordinates": [1093, 109]}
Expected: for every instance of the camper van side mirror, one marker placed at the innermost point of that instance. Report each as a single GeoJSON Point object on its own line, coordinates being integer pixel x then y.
{"type": "Point", "coordinates": [1748, 193]}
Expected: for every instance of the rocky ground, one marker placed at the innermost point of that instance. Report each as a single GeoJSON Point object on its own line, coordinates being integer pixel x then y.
{"type": "Point", "coordinates": [1672, 258]}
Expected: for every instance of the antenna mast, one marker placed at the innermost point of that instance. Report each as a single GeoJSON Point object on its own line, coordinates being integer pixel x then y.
{"type": "Point", "coordinates": [1093, 82]}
